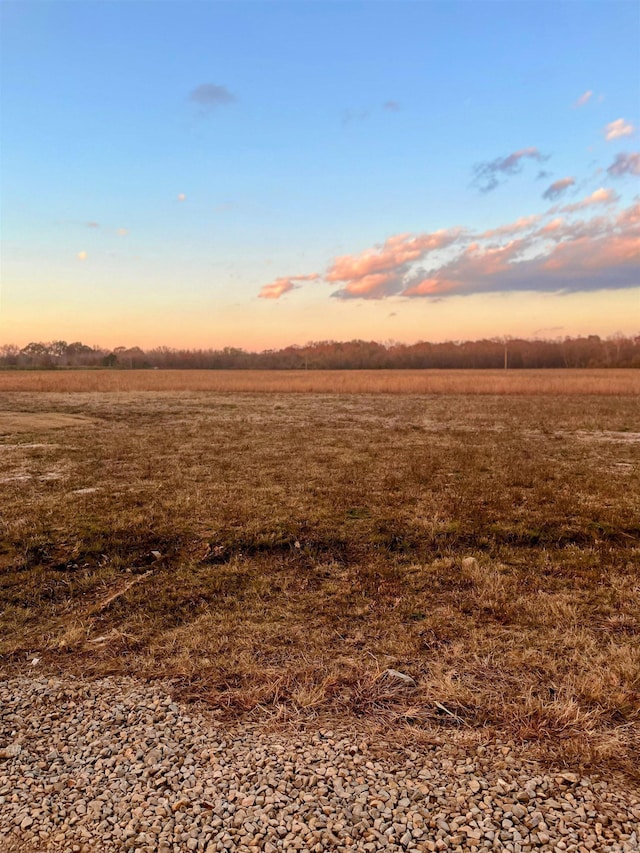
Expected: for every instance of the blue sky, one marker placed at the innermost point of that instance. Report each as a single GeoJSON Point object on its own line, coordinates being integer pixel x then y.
{"type": "Point", "coordinates": [166, 166]}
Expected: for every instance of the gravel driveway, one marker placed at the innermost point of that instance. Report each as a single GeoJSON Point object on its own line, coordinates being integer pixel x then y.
{"type": "Point", "coordinates": [115, 765]}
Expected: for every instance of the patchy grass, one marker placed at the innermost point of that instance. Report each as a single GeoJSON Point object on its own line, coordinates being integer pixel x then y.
{"type": "Point", "coordinates": [274, 554]}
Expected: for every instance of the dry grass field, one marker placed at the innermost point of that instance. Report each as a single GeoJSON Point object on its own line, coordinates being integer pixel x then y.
{"type": "Point", "coordinates": [273, 554]}
{"type": "Point", "coordinates": [563, 382]}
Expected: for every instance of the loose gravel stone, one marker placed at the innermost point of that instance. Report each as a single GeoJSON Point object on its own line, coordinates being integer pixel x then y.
{"type": "Point", "coordinates": [114, 765]}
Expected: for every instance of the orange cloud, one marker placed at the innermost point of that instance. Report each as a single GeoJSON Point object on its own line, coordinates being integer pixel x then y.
{"type": "Point", "coordinates": [280, 286]}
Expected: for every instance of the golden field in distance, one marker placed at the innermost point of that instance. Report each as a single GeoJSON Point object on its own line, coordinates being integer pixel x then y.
{"type": "Point", "coordinates": [562, 382]}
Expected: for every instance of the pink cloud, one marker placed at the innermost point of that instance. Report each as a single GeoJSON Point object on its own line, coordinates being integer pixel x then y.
{"type": "Point", "coordinates": [559, 229]}
{"type": "Point", "coordinates": [280, 286]}
{"type": "Point", "coordinates": [600, 196]}
{"type": "Point", "coordinates": [557, 188]}
{"type": "Point", "coordinates": [435, 286]}
{"type": "Point", "coordinates": [379, 272]}
{"type": "Point", "coordinates": [617, 129]}
{"type": "Point", "coordinates": [595, 254]}
{"type": "Point", "coordinates": [474, 263]}
{"type": "Point", "coordinates": [586, 255]}
{"type": "Point", "coordinates": [630, 217]}
{"type": "Point", "coordinates": [552, 227]}
{"type": "Point", "coordinates": [608, 260]}
{"type": "Point", "coordinates": [583, 99]}
{"type": "Point", "coordinates": [397, 250]}
{"type": "Point", "coordinates": [520, 224]}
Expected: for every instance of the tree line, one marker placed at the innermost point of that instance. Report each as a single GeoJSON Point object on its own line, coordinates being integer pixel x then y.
{"type": "Point", "coordinates": [514, 353]}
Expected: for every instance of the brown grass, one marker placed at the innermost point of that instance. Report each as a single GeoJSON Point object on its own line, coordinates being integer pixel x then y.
{"type": "Point", "coordinates": [554, 382]}
{"type": "Point", "coordinates": [288, 549]}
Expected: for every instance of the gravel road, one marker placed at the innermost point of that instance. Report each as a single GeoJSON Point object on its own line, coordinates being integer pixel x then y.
{"type": "Point", "coordinates": [115, 765]}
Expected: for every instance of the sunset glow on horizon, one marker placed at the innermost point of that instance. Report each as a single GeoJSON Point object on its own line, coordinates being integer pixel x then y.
{"type": "Point", "coordinates": [263, 174]}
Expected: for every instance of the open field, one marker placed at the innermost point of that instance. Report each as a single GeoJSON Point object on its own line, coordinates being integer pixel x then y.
{"type": "Point", "coordinates": [554, 382]}
{"type": "Point", "coordinates": [273, 554]}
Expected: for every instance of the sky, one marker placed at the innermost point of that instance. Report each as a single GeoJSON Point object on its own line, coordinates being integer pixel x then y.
{"type": "Point", "coordinates": [211, 174]}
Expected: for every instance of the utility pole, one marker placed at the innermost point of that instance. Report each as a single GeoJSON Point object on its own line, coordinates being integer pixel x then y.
{"type": "Point", "coordinates": [506, 357]}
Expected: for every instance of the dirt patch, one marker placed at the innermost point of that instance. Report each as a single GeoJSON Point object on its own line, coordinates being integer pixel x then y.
{"type": "Point", "coordinates": [13, 422]}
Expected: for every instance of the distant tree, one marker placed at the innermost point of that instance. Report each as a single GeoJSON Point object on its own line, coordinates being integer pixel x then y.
{"type": "Point", "coordinates": [590, 351]}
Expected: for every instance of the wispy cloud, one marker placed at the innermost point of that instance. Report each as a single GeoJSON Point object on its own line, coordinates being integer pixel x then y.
{"type": "Point", "coordinates": [280, 286]}
{"type": "Point", "coordinates": [545, 330]}
{"type": "Point", "coordinates": [557, 188]}
{"type": "Point", "coordinates": [600, 196]}
{"type": "Point", "coordinates": [583, 99]}
{"type": "Point", "coordinates": [630, 218]}
{"type": "Point", "coordinates": [351, 116]}
{"type": "Point", "coordinates": [491, 173]}
{"type": "Point", "coordinates": [617, 129]}
{"type": "Point", "coordinates": [625, 164]}
{"type": "Point", "coordinates": [521, 224]}
{"type": "Point", "coordinates": [209, 96]}
{"type": "Point", "coordinates": [391, 106]}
